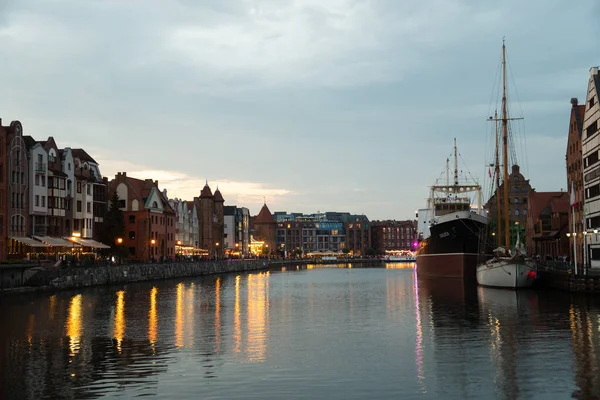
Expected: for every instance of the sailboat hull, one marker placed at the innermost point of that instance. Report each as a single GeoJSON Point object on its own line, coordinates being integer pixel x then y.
{"type": "Point", "coordinates": [506, 273]}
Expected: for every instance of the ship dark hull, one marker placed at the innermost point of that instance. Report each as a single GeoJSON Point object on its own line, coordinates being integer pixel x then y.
{"type": "Point", "coordinates": [453, 250]}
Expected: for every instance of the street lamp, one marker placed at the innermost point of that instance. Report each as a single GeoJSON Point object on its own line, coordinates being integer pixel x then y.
{"type": "Point", "coordinates": [152, 243]}
{"type": "Point", "coordinates": [119, 241]}
{"type": "Point", "coordinates": [74, 236]}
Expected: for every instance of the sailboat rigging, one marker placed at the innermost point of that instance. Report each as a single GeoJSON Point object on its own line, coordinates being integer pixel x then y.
{"type": "Point", "coordinates": [506, 269]}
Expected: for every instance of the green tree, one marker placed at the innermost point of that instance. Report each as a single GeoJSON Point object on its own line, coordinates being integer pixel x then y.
{"type": "Point", "coordinates": [113, 227]}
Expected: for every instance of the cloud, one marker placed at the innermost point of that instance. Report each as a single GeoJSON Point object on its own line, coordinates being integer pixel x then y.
{"type": "Point", "coordinates": [182, 185]}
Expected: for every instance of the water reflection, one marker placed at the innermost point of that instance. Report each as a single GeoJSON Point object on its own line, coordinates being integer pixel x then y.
{"type": "Point", "coordinates": [73, 323]}
{"type": "Point", "coordinates": [258, 311]}
{"type": "Point", "coordinates": [119, 327]}
{"type": "Point", "coordinates": [153, 317]}
{"type": "Point", "coordinates": [325, 332]}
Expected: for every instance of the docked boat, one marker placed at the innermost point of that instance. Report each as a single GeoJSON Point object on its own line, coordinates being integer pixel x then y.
{"type": "Point", "coordinates": [400, 256]}
{"type": "Point", "coordinates": [450, 232]}
{"type": "Point", "coordinates": [508, 268]}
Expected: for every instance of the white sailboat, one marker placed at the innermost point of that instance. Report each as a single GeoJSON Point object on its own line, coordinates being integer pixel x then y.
{"type": "Point", "coordinates": [507, 269]}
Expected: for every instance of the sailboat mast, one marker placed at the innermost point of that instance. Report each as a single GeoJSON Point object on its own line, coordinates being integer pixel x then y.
{"type": "Point", "coordinates": [497, 173]}
{"type": "Point", "coordinates": [505, 148]}
{"type": "Point", "coordinates": [447, 172]}
{"type": "Point", "coordinates": [455, 165]}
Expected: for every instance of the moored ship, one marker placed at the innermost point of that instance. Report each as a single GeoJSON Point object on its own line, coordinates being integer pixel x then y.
{"type": "Point", "coordinates": [450, 232]}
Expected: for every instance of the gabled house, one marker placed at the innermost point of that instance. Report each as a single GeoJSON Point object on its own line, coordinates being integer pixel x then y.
{"type": "Point", "coordinates": [57, 192]}
{"type": "Point", "coordinates": [548, 224]}
{"type": "Point", "coordinates": [591, 165]}
{"type": "Point", "coordinates": [210, 212]}
{"type": "Point", "coordinates": [38, 191]}
{"type": "Point", "coordinates": [17, 192]}
{"type": "Point", "coordinates": [574, 166]}
{"type": "Point", "coordinates": [150, 223]}
{"type": "Point", "coordinates": [90, 197]}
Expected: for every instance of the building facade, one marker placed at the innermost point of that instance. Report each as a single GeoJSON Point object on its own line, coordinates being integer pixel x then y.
{"type": "Point", "coordinates": [518, 198]}
{"type": "Point", "coordinates": [38, 176]}
{"type": "Point", "coordinates": [210, 212]}
{"type": "Point", "coordinates": [263, 228]}
{"type": "Point", "coordinates": [575, 172]}
{"type": "Point", "coordinates": [393, 235]}
{"type": "Point", "coordinates": [548, 225]}
{"type": "Point", "coordinates": [17, 190]}
{"type": "Point", "coordinates": [149, 219]}
{"type": "Point", "coordinates": [591, 167]}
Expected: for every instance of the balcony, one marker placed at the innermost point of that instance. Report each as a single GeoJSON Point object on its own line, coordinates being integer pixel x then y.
{"type": "Point", "coordinates": [40, 167]}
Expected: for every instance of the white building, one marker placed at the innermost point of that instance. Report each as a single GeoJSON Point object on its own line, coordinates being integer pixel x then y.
{"type": "Point", "coordinates": [187, 233]}
{"type": "Point", "coordinates": [38, 176]}
{"type": "Point", "coordinates": [591, 166]}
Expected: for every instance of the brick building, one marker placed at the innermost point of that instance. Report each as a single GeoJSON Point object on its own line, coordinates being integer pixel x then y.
{"type": "Point", "coordinates": [211, 219]}
{"type": "Point", "coordinates": [17, 191]}
{"type": "Point", "coordinates": [149, 219]}
{"type": "Point", "coordinates": [393, 235]}
{"type": "Point", "coordinates": [547, 224]}
{"type": "Point", "coordinates": [575, 170]}
{"type": "Point", "coordinates": [518, 198]}
{"type": "Point", "coordinates": [264, 227]}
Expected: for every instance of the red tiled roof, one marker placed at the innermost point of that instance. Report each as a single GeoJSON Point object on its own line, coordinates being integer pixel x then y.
{"type": "Point", "coordinates": [264, 216]}
{"type": "Point", "coordinates": [538, 201]}
{"type": "Point", "coordinates": [82, 155]}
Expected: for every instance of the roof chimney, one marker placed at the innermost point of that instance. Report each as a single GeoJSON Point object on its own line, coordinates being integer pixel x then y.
{"type": "Point", "coordinates": [574, 101]}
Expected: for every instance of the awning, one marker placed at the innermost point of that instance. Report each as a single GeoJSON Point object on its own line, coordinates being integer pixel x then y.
{"type": "Point", "coordinates": [54, 241]}
{"type": "Point", "coordinates": [29, 241]}
{"type": "Point", "coordinates": [90, 243]}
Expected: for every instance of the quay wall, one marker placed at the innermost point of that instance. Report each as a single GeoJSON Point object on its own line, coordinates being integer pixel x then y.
{"type": "Point", "coordinates": [563, 280]}
{"type": "Point", "coordinates": [118, 274]}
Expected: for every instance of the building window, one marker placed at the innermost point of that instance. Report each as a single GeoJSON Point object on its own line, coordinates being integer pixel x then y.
{"type": "Point", "coordinates": [37, 180]}
{"type": "Point", "coordinates": [43, 201]}
{"type": "Point", "coordinates": [132, 219]}
{"type": "Point", "coordinates": [516, 200]}
{"type": "Point", "coordinates": [43, 180]}
{"type": "Point", "coordinates": [517, 212]}
{"type": "Point", "coordinates": [89, 189]}
{"type": "Point", "coordinates": [78, 187]}
{"type": "Point", "coordinates": [37, 200]}
{"type": "Point", "coordinates": [69, 166]}
{"type": "Point", "coordinates": [121, 203]}
{"type": "Point", "coordinates": [78, 205]}
{"type": "Point", "coordinates": [89, 207]}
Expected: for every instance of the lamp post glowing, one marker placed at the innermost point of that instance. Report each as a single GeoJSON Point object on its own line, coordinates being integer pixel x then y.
{"type": "Point", "coordinates": [152, 243]}
{"type": "Point", "coordinates": [119, 241]}
{"type": "Point", "coordinates": [74, 236]}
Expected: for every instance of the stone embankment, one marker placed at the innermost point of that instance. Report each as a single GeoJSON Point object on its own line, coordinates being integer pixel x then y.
{"type": "Point", "coordinates": [119, 274]}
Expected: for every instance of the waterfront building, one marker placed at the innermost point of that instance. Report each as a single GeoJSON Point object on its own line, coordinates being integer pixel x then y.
{"type": "Point", "coordinates": [209, 208]}
{"type": "Point", "coordinates": [236, 228]}
{"type": "Point", "coordinates": [17, 191]}
{"type": "Point", "coordinates": [38, 176]}
{"type": "Point", "coordinates": [149, 219]}
{"type": "Point", "coordinates": [518, 198]}
{"type": "Point", "coordinates": [263, 227]}
{"type": "Point", "coordinates": [590, 143]}
{"type": "Point", "coordinates": [357, 231]}
{"type": "Point", "coordinates": [393, 235]}
{"type": "Point", "coordinates": [574, 172]}
{"type": "Point", "coordinates": [90, 195]}
{"type": "Point", "coordinates": [299, 234]}
{"type": "Point", "coordinates": [56, 191]}
{"type": "Point", "coordinates": [548, 224]}
{"type": "Point", "coordinates": [187, 230]}
{"type": "Point", "coordinates": [3, 199]}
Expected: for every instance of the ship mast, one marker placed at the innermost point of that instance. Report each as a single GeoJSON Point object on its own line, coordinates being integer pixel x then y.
{"type": "Point", "coordinates": [497, 173]}
{"type": "Point", "coordinates": [455, 165]}
{"type": "Point", "coordinates": [505, 148]}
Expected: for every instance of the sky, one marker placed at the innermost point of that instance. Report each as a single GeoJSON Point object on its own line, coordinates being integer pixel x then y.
{"type": "Point", "coordinates": [309, 105]}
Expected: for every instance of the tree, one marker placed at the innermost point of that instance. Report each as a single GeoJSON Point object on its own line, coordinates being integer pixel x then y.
{"type": "Point", "coordinates": [113, 226]}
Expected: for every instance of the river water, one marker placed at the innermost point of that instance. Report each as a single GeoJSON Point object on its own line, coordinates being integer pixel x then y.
{"type": "Point", "coordinates": [300, 333]}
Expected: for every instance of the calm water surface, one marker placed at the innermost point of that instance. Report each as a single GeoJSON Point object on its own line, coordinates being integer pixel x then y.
{"type": "Point", "coordinates": [334, 333]}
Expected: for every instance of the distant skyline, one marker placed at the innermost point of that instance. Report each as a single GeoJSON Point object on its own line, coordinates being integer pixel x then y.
{"type": "Point", "coordinates": [337, 105]}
